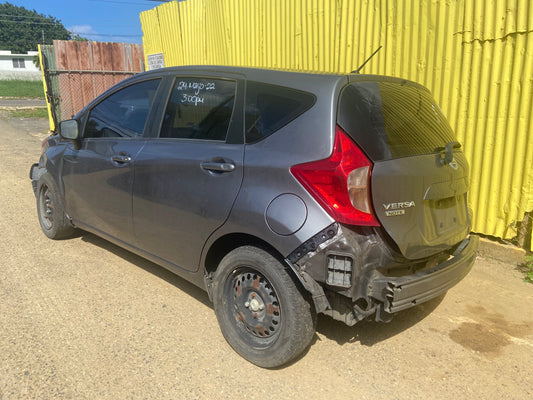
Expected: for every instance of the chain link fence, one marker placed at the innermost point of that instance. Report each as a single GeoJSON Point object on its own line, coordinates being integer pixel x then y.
{"type": "Point", "coordinates": [77, 72]}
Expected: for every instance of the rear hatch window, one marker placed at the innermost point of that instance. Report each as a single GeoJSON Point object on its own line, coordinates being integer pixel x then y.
{"type": "Point", "coordinates": [393, 119]}
{"type": "Point", "coordinates": [418, 199]}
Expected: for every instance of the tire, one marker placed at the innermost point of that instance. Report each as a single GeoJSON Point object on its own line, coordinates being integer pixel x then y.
{"type": "Point", "coordinates": [260, 310]}
{"type": "Point", "coordinates": [51, 209]}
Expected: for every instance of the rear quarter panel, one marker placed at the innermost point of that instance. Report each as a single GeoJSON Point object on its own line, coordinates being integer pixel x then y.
{"type": "Point", "coordinates": [267, 171]}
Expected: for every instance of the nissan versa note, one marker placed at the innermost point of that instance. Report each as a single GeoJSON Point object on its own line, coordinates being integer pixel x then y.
{"type": "Point", "coordinates": [282, 194]}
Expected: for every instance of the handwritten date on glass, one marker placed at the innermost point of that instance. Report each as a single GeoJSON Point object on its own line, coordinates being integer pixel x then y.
{"type": "Point", "coordinates": [196, 86]}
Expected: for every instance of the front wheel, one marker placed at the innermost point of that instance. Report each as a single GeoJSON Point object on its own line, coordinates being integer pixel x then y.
{"type": "Point", "coordinates": [261, 312]}
{"type": "Point", "coordinates": [51, 211]}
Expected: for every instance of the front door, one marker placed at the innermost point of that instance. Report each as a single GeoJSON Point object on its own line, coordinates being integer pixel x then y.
{"type": "Point", "coordinates": [98, 177]}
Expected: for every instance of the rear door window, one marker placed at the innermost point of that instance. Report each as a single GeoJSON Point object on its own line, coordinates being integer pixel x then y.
{"type": "Point", "coordinates": [393, 119]}
{"type": "Point", "coordinates": [199, 109]}
{"type": "Point", "coordinates": [271, 107]}
{"type": "Point", "coordinates": [124, 113]}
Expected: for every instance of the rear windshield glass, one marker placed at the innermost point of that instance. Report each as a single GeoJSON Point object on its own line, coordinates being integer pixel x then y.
{"type": "Point", "coordinates": [393, 120]}
{"type": "Point", "coordinates": [270, 107]}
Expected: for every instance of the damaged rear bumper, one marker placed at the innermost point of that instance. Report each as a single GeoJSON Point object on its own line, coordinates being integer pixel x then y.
{"type": "Point", "coordinates": [400, 293]}
{"type": "Point", "coordinates": [353, 274]}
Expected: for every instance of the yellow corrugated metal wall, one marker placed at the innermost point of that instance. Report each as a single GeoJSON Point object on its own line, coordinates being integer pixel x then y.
{"type": "Point", "coordinates": [475, 56]}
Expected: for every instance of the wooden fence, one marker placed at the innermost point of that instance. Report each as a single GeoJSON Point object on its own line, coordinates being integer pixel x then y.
{"type": "Point", "coordinates": [76, 72]}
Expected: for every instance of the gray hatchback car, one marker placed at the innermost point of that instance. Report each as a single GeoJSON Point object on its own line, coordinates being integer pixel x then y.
{"type": "Point", "coordinates": [282, 194]}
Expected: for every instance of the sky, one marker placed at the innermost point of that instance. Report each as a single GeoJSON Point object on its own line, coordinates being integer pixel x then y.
{"type": "Point", "coordinates": [99, 20]}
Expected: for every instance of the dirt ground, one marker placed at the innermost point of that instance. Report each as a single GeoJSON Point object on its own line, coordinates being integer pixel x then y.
{"type": "Point", "coordinates": [84, 319]}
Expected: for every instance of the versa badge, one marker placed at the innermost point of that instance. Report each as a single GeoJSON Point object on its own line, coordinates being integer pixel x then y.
{"type": "Point", "coordinates": [394, 209]}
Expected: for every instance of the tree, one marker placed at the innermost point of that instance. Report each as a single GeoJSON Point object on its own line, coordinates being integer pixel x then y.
{"type": "Point", "coordinates": [22, 30]}
{"type": "Point", "coordinates": [79, 38]}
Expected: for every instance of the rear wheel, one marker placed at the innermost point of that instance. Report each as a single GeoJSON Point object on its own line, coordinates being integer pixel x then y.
{"type": "Point", "coordinates": [261, 312]}
{"type": "Point", "coordinates": [51, 210]}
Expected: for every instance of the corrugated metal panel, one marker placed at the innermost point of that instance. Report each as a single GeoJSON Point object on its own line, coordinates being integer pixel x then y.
{"type": "Point", "coordinates": [495, 115]}
{"type": "Point", "coordinates": [475, 56]}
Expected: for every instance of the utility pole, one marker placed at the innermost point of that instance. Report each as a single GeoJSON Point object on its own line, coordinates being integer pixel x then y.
{"type": "Point", "coordinates": [42, 31]}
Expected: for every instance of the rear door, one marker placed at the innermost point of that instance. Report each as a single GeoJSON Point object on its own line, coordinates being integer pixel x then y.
{"type": "Point", "coordinates": [98, 177]}
{"type": "Point", "coordinates": [420, 175]}
{"type": "Point", "coordinates": [188, 177]}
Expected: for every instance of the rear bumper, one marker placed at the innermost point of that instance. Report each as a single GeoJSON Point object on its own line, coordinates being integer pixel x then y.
{"type": "Point", "coordinates": [400, 293]}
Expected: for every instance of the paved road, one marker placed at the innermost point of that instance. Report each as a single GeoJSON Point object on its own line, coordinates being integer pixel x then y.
{"type": "Point", "coordinates": [84, 319]}
{"type": "Point", "coordinates": [21, 103]}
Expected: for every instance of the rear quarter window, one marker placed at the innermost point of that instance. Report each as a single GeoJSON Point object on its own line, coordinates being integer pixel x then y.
{"type": "Point", "coordinates": [393, 119]}
{"type": "Point", "coordinates": [271, 107]}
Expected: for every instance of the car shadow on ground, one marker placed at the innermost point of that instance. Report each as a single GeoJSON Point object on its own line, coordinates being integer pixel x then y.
{"type": "Point", "coordinates": [150, 267]}
{"type": "Point", "coordinates": [367, 333]}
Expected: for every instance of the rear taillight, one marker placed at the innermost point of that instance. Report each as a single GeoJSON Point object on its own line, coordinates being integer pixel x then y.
{"type": "Point", "coordinates": [341, 182]}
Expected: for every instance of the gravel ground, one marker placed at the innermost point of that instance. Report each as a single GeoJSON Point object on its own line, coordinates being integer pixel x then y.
{"type": "Point", "coordinates": [84, 319]}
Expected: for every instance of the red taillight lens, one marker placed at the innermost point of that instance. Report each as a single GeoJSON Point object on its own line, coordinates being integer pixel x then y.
{"type": "Point", "coordinates": [340, 183]}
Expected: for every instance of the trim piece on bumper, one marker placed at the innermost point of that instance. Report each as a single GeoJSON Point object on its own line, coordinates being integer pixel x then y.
{"type": "Point", "coordinates": [32, 171]}
{"type": "Point", "coordinates": [400, 293]}
{"type": "Point", "coordinates": [35, 174]}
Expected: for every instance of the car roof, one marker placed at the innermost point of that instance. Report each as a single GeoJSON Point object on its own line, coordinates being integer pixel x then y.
{"type": "Point", "coordinates": [248, 72]}
{"type": "Point", "coordinates": [286, 77]}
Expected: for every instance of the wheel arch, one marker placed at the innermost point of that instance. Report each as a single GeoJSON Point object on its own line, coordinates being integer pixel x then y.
{"type": "Point", "coordinates": [226, 243]}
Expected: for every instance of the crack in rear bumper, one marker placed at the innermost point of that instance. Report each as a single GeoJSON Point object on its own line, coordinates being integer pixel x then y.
{"type": "Point", "coordinates": [400, 293]}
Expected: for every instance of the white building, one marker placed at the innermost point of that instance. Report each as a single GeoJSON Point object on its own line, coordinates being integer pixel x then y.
{"type": "Point", "coordinates": [18, 66]}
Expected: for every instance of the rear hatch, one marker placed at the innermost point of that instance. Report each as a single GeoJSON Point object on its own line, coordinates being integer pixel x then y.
{"type": "Point", "coordinates": [419, 179]}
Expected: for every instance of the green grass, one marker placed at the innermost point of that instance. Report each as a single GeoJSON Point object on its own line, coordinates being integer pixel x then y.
{"type": "Point", "coordinates": [29, 113]}
{"type": "Point", "coordinates": [20, 89]}
{"type": "Point", "coordinates": [527, 269]}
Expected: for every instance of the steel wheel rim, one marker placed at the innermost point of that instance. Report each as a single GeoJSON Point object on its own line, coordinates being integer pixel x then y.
{"type": "Point", "coordinates": [252, 302]}
{"type": "Point", "coordinates": [46, 207]}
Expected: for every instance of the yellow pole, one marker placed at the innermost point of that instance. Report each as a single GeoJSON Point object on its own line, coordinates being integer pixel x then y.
{"type": "Point", "coordinates": [48, 105]}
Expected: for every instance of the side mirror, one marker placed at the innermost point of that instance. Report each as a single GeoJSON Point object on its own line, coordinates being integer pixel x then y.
{"type": "Point", "coordinates": [69, 129]}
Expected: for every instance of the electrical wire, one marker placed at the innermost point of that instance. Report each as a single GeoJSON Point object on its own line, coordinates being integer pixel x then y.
{"type": "Point", "coordinates": [46, 20]}
{"type": "Point", "coordinates": [30, 22]}
{"type": "Point", "coordinates": [127, 2]}
{"type": "Point", "coordinates": [73, 32]}
{"type": "Point", "coordinates": [23, 16]}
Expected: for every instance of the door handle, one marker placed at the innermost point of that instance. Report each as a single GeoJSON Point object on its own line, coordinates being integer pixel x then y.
{"type": "Point", "coordinates": [121, 159]}
{"type": "Point", "coordinates": [218, 166]}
